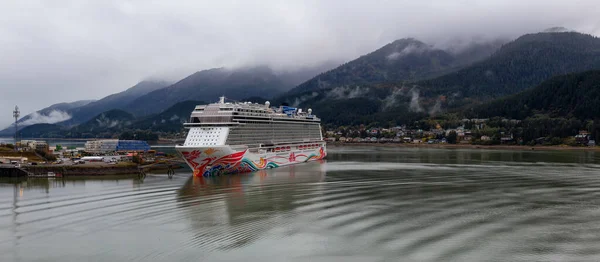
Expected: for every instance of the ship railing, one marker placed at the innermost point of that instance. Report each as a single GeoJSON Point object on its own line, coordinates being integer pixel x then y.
{"type": "Point", "coordinates": [211, 124]}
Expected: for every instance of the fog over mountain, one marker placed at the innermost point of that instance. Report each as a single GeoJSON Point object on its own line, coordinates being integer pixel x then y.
{"type": "Point", "coordinates": [56, 51]}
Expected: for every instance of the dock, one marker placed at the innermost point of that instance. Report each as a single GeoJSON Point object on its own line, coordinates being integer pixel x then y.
{"type": "Point", "coordinates": [12, 171]}
{"type": "Point", "coordinates": [88, 170]}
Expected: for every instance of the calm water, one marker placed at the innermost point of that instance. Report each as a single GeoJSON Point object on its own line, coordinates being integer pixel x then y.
{"type": "Point", "coordinates": [362, 204]}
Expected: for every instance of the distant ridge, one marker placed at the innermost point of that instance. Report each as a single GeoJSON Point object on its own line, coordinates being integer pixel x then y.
{"type": "Point", "coordinates": [558, 29]}
{"type": "Point", "coordinates": [208, 85]}
{"type": "Point", "coordinates": [49, 115]}
{"type": "Point", "coordinates": [114, 101]}
{"type": "Point", "coordinates": [405, 59]}
{"type": "Point", "coordinates": [523, 63]}
{"type": "Point", "coordinates": [573, 95]}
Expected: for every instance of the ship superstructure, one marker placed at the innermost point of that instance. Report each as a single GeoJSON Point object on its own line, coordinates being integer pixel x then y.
{"type": "Point", "coordinates": [232, 137]}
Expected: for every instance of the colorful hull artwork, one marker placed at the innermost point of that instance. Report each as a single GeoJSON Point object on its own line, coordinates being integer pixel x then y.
{"type": "Point", "coordinates": [219, 160]}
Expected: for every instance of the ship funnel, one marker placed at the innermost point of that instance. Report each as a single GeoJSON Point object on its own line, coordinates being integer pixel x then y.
{"type": "Point", "coordinates": [222, 100]}
{"type": "Point", "coordinates": [309, 111]}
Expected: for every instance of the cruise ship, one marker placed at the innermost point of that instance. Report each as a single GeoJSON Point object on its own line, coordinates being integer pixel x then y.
{"type": "Point", "coordinates": [238, 137]}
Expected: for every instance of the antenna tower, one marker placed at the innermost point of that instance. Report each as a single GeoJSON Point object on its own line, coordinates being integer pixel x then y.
{"type": "Point", "coordinates": [16, 115]}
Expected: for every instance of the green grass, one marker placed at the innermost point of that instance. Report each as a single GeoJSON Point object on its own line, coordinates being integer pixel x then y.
{"type": "Point", "coordinates": [31, 156]}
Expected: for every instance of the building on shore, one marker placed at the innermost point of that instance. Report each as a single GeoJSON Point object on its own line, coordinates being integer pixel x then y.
{"type": "Point", "coordinates": [101, 146]}
{"type": "Point", "coordinates": [115, 145]}
{"type": "Point", "coordinates": [10, 159]}
{"type": "Point", "coordinates": [33, 145]}
{"type": "Point", "coordinates": [39, 145]}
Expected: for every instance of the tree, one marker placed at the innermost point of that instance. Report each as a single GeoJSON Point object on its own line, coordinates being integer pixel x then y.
{"type": "Point", "coordinates": [451, 138]}
{"type": "Point", "coordinates": [46, 155]}
{"type": "Point", "coordinates": [136, 159]}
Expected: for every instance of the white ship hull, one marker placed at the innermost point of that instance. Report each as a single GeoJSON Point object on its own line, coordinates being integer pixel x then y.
{"type": "Point", "coordinates": [217, 160]}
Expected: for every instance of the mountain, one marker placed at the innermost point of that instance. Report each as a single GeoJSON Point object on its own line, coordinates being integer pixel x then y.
{"type": "Point", "coordinates": [550, 113]}
{"type": "Point", "coordinates": [109, 121]}
{"type": "Point", "coordinates": [114, 101]}
{"type": "Point", "coordinates": [50, 115]}
{"type": "Point", "coordinates": [558, 29]}
{"type": "Point", "coordinates": [520, 64]}
{"type": "Point", "coordinates": [208, 85]}
{"type": "Point", "coordinates": [43, 131]}
{"type": "Point", "coordinates": [71, 114]}
{"type": "Point", "coordinates": [402, 60]}
{"type": "Point", "coordinates": [170, 120]}
{"type": "Point", "coordinates": [574, 95]}
{"type": "Point", "coordinates": [293, 77]}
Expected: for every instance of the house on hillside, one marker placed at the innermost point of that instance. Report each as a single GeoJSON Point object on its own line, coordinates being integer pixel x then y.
{"type": "Point", "coordinates": [506, 138]}
{"type": "Point", "coordinates": [583, 138]}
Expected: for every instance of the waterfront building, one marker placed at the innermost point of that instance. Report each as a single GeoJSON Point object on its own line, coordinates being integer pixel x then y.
{"type": "Point", "coordinates": [33, 145]}
{"type": "Point", "coordinates": [115, 145]}
{"type": "Point", "coordinates": [39, 145]}
{"type": "Point", "coordinates": [101, 146]}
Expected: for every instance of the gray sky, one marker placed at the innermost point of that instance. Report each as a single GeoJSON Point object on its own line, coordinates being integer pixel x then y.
{"type": "Point", "coordinates": [60, 50]}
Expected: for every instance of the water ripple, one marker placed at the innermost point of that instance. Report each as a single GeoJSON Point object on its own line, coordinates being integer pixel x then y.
{"type": "Point", "coordinates": [362, 204]}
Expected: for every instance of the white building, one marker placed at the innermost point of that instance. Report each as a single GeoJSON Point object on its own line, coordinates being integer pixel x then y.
{"type": "Point", "coordinates": [101, 146]}
{"type": "Point", "coordinates": [33, 144]}
{"type": "Point", "coordinates": [39, 145]}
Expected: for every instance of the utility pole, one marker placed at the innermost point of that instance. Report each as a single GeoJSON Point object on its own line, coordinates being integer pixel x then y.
{"type": "Point", "coordinates": [16, 115]}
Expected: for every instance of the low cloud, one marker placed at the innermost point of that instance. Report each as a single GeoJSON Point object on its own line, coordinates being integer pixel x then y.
{"type": "Point", "coordinates": [301, 99]}
{"type": "Point", "coordinates": [346, 92]}
{"type": "Point", "coordinates": [414, 101]}
{"type": "Point", "coordinates": [391, 101]}
{"type": "Point", "coordinates": [104, 121]}
{"type": "Point", "coordinates": [436, 108]}
{"type": "Point", "coordinates": [208, 34]}
{"type": "Point", "coordinates": [410, 49]}
{"type": "Point", "coordinates": [54, 116]}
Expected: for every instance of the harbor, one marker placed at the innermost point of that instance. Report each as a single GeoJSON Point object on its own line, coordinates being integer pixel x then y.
{"type": "Point", "coordinates": [32, 158]}
{"type": "Point", "coordinates": [358, 196]}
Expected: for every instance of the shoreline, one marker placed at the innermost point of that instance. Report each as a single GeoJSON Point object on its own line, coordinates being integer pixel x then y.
{"type": "Point", "coordinates": [83, 170]}
{"type": "Point", "coordinates": [469, 146]}
{"type": "Point", "coordinates": [41, 138]}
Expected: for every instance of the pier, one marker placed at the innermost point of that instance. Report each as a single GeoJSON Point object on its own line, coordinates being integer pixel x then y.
{"type": "Point", "coordinates": [12, 171]}
{"type": "Point", "coordinates": [89, 170]}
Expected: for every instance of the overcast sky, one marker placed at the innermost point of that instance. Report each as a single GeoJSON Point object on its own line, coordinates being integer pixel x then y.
{"type": "Point", "coordinates": [58, 50]}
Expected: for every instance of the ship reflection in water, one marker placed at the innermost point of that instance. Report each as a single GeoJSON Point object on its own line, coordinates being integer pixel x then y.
{"type": "Point", "coordinates": [361, 204]}
{"type": "Point", "coordinates": [238, 209]}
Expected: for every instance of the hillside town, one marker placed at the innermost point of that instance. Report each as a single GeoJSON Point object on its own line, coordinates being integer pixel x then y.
{"type": "Point", "coordinates": [479, 133]}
